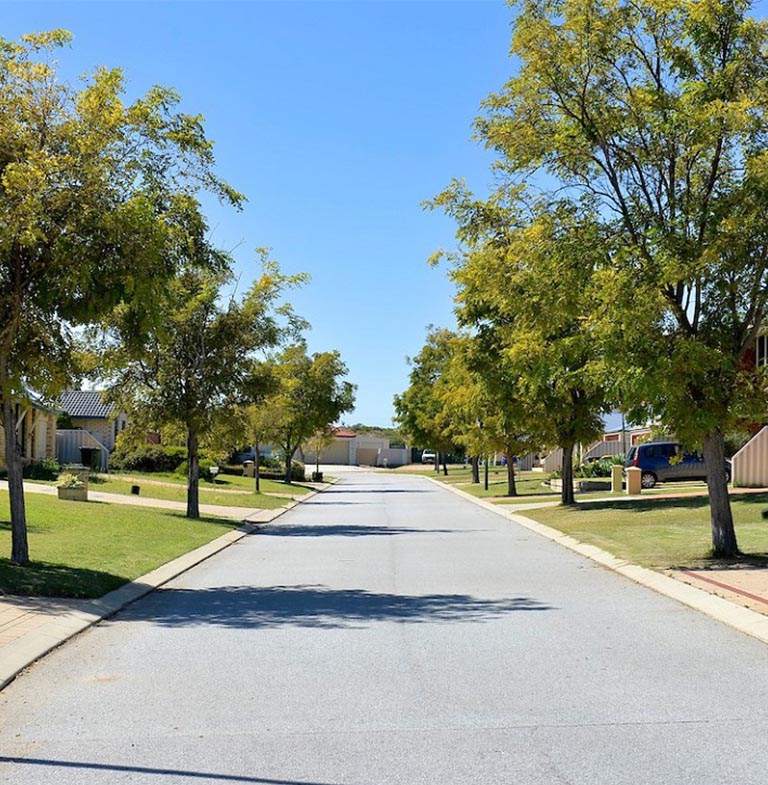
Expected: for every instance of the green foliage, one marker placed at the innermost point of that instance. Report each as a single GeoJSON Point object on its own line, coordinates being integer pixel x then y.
{"type": "Point", "coordinates": [45, 469]}
{"type": "Point", "coordinates": [308, 396]}
{"type": "Point", "coordinates": [419, 413]}
{"type": "Point", "coordinates": [69, 480]}
{"type": "Point", "coordinates": [201, 360]}
{"type": "Point", "coordinates": [655, 113]}
{"type": "Point", "coordinates": [98, 199]}
{"type": "Point", "coordinates": [147, 457]}
{"type": "Point", "coordinates": [205, 464]}
{"type": "Point", "coordinates": [298, 471]}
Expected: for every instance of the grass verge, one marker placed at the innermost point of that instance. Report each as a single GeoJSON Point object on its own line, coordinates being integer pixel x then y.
{"type": "Point", "coordinates": [179, 494]}
{"type": "Point", "coordinates": [662, 533]}
{"type": "Point", "coordinates": [224, 482]}
{"type": "Point", "coordinates": [88, 549]}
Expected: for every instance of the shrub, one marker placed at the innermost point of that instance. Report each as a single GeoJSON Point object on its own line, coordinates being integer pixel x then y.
{"type": "Point", "coordinates": [205, 468]}
{"type": "Point", "coordinates": [278, 473]}
{"type": "Point", "coordinates": [69, 480]}
{"type": "Point", "coordinates": [148, 458]}
{"type": "Point", "coordinates": [46, 469]}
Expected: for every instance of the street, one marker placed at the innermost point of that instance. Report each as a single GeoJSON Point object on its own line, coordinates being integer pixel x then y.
{"type": "Point", "coordinates": [388, 631]}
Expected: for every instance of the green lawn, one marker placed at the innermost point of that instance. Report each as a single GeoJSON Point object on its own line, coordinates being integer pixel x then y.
{"type": "Point", "coordinates": [664, 533]}
{"type": "Point", "coordinates": [223, 482]}
{"type": "Point", "coordinates": [208, 495]}
{"type": "Point", "coordinates": [88, 549]}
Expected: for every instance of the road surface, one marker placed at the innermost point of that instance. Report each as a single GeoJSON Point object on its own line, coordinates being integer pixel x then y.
{"type": "Point", "coordinates": [388, 631]}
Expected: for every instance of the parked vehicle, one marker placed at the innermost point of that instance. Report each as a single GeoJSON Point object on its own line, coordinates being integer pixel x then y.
{"type": "Point", "coordinates": [668, 462]}
{"type": "Point", "coordinates": [428, 456]}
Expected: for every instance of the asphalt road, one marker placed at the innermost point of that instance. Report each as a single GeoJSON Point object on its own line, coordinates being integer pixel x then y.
{"type": "Point", "coordinates": [390, 632]}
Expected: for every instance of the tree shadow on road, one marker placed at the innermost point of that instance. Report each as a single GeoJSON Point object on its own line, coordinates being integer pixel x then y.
{"type": "Point", "coordinates": [376, 489]}
{"type": "Point", "coordinates": [207, 776]}
{"type": "Point", "coordinates": [346, 530]}
{"type": "Point", "coordinates": [318, 606]}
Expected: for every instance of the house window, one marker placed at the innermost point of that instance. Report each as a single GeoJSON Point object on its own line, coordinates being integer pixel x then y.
{"type": "Point", "coordinates": [761, 351]}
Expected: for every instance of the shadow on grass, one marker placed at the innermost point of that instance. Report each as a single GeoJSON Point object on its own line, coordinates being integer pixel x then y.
{"type": "Point", "coordinates": [246, 607]}
{"type": "Point", "coordinates": [44, 579]}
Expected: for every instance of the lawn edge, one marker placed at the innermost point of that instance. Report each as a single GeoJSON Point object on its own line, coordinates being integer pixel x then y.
{"type": "Point", "coordinates": [726, 612]}
{"type": "Point", "coordinates": [17, 656]}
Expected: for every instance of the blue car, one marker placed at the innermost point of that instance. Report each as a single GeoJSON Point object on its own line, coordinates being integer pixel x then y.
{"type": "Point", "coordinates": [668, 462]}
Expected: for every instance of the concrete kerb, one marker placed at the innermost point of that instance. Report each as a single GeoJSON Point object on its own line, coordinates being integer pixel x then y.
{"type": "Point", "coordinates": [735, 616]}
{"type": "Point", "coordinates": [20, 654]}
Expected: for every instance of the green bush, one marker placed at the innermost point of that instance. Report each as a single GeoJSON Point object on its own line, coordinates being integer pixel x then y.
{"type": "Point", "coordinates": [148, 458]}
{"type": "Point", "coordinates": [46, 469]}
{"type": "Point", "coordinates": [278, 473]}
{"type": "Point", "coordinates": [205, 468]}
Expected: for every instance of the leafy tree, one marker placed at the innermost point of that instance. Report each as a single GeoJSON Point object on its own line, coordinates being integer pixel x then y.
{"type": "Point", "coordinates": [94, 194]}
{"type": "Point", "coordinates": [418, 411]}
{"type": "Point", "coordinates": [527, 285]}
{"type": "Point", "coordinates": [319, 442]}
{"type": "Point", "coordinates": [481, 402]}
{"type": "Point", "coordinates": [200, 360]}
{"type": "Point", "coordinates": [658, 111]}
{"type": "Point", "coordinates": [310, 395]}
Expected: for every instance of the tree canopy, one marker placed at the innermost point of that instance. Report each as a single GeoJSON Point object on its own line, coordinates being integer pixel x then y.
{"type": "Point", "coordinates": [653, 116]}
{"type": "Point", "coordinates": [97, 196]}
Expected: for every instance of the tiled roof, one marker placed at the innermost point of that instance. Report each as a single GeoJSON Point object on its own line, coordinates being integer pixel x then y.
{"type": "Point", "coordinates": [344, 433]}
{"type": "Point", "coordinates": [85, 403]}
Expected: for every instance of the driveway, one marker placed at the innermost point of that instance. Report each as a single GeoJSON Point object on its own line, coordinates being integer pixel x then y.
{"type": "Point", "coordinates": [387, 631]}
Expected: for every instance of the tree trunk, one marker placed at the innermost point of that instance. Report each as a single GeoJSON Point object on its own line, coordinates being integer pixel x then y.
{"type": "Point", "coordinates": [19, 545]}
{"type": "Point", "coordinates": [567, 496]}
{"type": "Point", "coordinates": [723, 534]}
{"type": "Point", "coordinates": [485, 482]}
{"type": "Point", "coordinates": [193, 474]}
{"type": "Point", "coordinates": [437, 461]}
{"type": "Point", "coordinates": [256, 467]}
{"type": "Point", "coordinates": [475, 460]}
{"type": "Point", "coordinates": [288, 461]}
{"type": "Point", "coordinates": [511, 486]}
{"type": "Point", "coordinates": [445, 464]}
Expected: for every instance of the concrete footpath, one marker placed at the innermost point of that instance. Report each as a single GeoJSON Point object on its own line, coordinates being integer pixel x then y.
{"type": "Point", "coordinates": [30, 627]}
{"type": "Point", "coordinates": [736, 596]}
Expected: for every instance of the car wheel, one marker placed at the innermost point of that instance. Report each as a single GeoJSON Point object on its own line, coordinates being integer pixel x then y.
{"type": "Point", "coordinates": [648, 480]}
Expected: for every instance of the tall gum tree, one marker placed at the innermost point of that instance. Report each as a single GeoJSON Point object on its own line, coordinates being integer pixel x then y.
{"type": "Point", "coordinates": [658, 110]}
{"type": "Point", "coordinates": [94, 193]}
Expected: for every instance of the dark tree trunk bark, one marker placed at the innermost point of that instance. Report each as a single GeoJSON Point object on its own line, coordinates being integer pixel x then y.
{"type": "Point", "coordinates": [445, 464]}
{"type": "Point", "coordinates": [723, 534]}
{"type": "Point", "coordinates": [193, 474]}
{"type": "Point", "coordinates": [256, 467]}
{"type": "Point", "coordinates": [19, 544]}
{"type": "Point", "coordinates": [485, 479]}
{"type": "Point", "coordinates": [511, 485]}
{"type": "Point", "coordinates": [567, 496]}
{"type": "Point", "coordinates": [475, 460]}
{"type": "Point", "coordinates": [288, 461]}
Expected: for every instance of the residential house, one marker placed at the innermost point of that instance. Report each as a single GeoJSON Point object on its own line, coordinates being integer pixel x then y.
{"type": "Point", "coordinates": [349, 448]}
{"type": "Point", "coordinates": [88, 411]}
{"type": "Point", "coordinates": [36, 430]}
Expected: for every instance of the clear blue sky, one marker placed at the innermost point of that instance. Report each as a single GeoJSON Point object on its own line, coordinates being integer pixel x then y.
{"type": "Point", "coordinates": [336, 120]}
